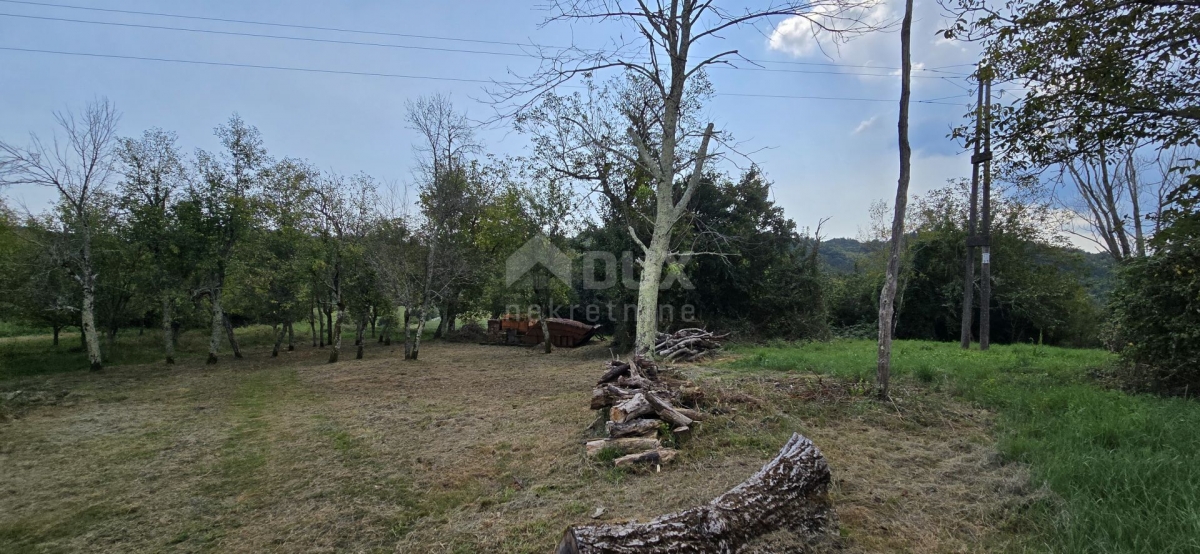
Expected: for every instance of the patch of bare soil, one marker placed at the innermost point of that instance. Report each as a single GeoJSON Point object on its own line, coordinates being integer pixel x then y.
{"type": "Point", "coordinates": [470, 449]}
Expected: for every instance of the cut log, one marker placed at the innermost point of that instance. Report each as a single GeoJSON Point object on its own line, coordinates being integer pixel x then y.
{"type": "Point", "coordinates": [630, 409]}
{"type": "Point", "coordinates": [615, 369]}
{"type": "Point", "coordinates": [635, 382]}
{"type": "Point", "coordinates": [608, 394]}
{"type": "Point", "coordinates": [624, 446]}
{"type": "Point", "coordinates": [691, 414]}
{"type": "Point", "coordinates": [789, 492]}
{"type": "Point", "coordinates": [637, 427]}
{"type": "Point", "coordinates": [667, 412]}
{"type": "Point", "coordinates": [658, 456]}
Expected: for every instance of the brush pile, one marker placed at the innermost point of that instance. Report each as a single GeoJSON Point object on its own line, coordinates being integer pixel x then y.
{"type": "Point", "coordinates": [688, 345]}
{"type": "Point", "coordinates": [642, 410]}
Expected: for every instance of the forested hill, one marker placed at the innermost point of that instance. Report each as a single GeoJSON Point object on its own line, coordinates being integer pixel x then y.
{"type": "Point", "coordinates": [839, 255]}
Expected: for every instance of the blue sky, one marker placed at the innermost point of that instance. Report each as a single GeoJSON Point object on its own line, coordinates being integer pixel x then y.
{"type": "Point", "coordinates": [826, 158]}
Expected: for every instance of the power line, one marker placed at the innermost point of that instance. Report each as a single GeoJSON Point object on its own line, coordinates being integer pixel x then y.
{"type": "Point", "coordinates": [396, 75]}
{"type": "Point", "coordinates": [398, 46]}
{"type": "Point", "coordinates": [378, 33]}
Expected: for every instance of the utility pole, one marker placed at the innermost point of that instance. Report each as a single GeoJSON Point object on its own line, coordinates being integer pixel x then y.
{"type": "Point", "coordinates": [982, 154]}
{"type": "Point", "coordinates": [985, 274]}
{"type": "Point", "coordinates": [968, 311]}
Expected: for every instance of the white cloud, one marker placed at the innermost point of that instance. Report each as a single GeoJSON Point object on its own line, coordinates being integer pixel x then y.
{"type": "Point", "coordinates": [865, 124]}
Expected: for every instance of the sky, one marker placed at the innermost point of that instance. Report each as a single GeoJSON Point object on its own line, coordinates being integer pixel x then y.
{"type": "Point", "coordinates": [828, 157]}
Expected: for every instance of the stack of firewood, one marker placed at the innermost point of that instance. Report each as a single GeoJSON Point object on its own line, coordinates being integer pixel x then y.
{"type": "Point", "coordinates": [640, 406]}
{"type": "Point", "coordinates": [688, 345]}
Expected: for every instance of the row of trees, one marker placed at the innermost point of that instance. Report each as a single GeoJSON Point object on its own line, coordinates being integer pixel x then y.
{"type": "Point", "coordinates": [141, 230]}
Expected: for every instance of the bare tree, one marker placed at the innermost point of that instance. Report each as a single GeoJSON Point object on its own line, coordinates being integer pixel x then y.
{"type": "Point", "coordinates": [661, 56]}
{"type": "Point", "coordinates": [887, 296]}
{"type": "Point", "coordinates": [1107, 190]}
{"type": "Point", "coordinates": [77, 166]}
{"type": "Point", "coordinates": [446, 197]}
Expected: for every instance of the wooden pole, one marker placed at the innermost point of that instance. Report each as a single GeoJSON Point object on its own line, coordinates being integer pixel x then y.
{"type": "Point", "coordinates": [985, 274]}
{"type": "Point", "coordinates": [968, 309]}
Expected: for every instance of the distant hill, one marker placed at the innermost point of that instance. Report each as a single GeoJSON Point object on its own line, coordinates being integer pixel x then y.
{"type": "Point", "coordinates": [839, 255]}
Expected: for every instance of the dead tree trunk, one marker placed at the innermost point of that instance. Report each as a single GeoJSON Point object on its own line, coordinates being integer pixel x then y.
{"type": "Point", "coordinates": [790, 492]}
{"type": "Point", "coordinates": [887, 296]}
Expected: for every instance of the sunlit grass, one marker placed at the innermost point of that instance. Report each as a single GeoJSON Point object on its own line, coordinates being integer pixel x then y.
{"type": "Point", "coordinates": [1124, 469]}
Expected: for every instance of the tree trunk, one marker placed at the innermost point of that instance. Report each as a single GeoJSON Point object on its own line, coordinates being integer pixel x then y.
{"type": "Point", "coordinates": [329, 324]}
{"type": "Point", "coordinates": [361, 338]}
{"type": "Point", "coordinates": [321, 325]}
{"type": "Point", "coordinates": [441, 328]}
{"type": "Point", "coordinates": [647, 305]}
{"type": "Point", "coordinates": [336, 341]}
{"type": "Point", "coordinates": [88, 317]}
{"type": "Point", "coordinates": [374, 317]}
{"type": "Point", "coordinates": [789, 492]}
{"type": "Point", "coordinates": [57, 328]}
{"type": "Point", "coordinates": [888, 295]}
{"type": "Point", "coordinates": [416, 348]}
{"type": "Point", "coordinates": [233, 343]}
{"type": "Point", "coordinates": [282, 328]}
{"type": "Point", "coordinates": [407, 334]}
{"type": "Point", "coordinates": [167, 329]}
{"type": "Point", "coordinates": [546, 336]}
{"type": "Point", "coordinates": [218, 320]}
{"type": "Point", "coordinates": [291, 336]}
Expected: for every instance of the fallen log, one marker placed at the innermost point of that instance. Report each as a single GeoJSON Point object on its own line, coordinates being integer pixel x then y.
{"type": "Point", "coordinates": [630, 409]}
{"type": "Point", "coordinates": [690, 414]}
{"type": "Point", "coordinates": [615, 369]}
{"type": "Point", "coordinates": [608, 394]}
{"type": "Point", "coordinates": [656, 457]}
{"type": "Point", "coordinates": [624, 446]}
{"type": "Point", "coordinates": [667, 412]}
{"type": "Point", "coordinates": [788, 492]}
{"type": "Point", "coordinates": [637, 427]}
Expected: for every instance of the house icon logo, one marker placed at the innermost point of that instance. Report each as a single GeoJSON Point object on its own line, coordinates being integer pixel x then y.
{"type": "Point", "coordinates": [537, 250]}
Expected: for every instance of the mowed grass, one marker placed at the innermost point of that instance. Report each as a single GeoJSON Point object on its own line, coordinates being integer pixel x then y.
{"type": "Point", "coordinates": [1124, 469]}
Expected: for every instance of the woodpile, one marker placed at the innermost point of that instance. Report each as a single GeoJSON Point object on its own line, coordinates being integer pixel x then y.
{"type": "Point", "coordinates": [790, 492]}
{"type": "Point", "coordinates": [639, 406]}
{"type": "Point", "coordinates": [688, 345]}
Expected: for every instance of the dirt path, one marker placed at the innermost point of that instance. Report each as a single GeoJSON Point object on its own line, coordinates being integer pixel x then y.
{"type": "Point", "coordinates": [472, 449]}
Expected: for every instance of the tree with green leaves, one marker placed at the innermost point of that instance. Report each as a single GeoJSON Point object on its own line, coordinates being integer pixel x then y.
{"type": "Point", "coordinates": [153, 177]}
{"type": "Point", "coordinates": [219, 215]}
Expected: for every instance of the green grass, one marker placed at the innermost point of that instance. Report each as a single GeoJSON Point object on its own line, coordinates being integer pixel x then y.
{"type": "Point", "coordinates": [30, 355]}
{"type": "Point", "coordinates": [1124, 469]}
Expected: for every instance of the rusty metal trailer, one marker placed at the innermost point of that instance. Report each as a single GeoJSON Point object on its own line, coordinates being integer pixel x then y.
{"type": "Point", "coordinates": [516, 331]}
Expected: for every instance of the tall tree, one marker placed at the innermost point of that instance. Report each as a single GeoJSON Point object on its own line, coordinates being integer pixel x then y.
{"type": "Point", "coordinates": [447, 140]}
{"type": "Point", "coordinates": [220, 211]}
{"type": "Point", "coordinates": [887, 296]}
{"type": "Point", "coordinates": [662, 56]}
{"type": "Point", "coordinates": [78, 168]}
{"type": "Point", "coordinates": [153, 172]}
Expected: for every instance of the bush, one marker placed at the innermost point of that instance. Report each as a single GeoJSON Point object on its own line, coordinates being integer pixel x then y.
{"type": "Point", "coordinates": [1156, 318]}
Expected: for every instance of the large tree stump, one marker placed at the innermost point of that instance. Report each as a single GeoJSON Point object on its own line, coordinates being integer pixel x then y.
{"type": "Point", "coordinates": [789, 492]}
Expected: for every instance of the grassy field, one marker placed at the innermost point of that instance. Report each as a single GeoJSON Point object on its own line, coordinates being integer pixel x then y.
{"type": "Point", "coordinates": [479, 449]}
{"type": "Point", "coordinates": [1124, 469]}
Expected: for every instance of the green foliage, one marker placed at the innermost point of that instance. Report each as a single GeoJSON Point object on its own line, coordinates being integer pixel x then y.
{"type": "Point", "coordinates": [1122, 468]}
{"type": "Point", "coordinates": [1107, 72]}
{"type": "Point", "coordinates": [766, 280]}
{"type": "Point", "coordinates": [1039, 292]}
{"type": "Point", "coordinates": [1156, 318]}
